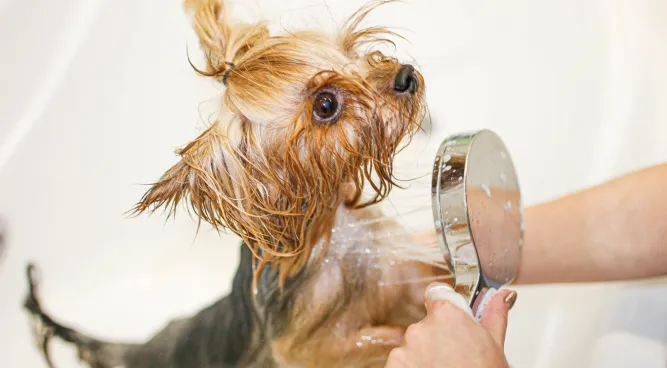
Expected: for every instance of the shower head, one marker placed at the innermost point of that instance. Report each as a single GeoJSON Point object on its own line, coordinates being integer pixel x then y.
{"type": "Point", "coordinates": [477, 210]}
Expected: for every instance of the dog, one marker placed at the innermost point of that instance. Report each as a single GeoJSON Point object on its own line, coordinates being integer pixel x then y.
{"type": "Point", "coordinates": [300, 154]}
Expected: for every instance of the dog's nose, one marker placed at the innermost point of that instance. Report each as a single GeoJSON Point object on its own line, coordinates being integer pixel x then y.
{"type": "Point", "coordinates": [405, 81]}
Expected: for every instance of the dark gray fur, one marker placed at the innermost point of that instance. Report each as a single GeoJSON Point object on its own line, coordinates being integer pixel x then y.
{"type": "Point", "coordinates": [232, 332]}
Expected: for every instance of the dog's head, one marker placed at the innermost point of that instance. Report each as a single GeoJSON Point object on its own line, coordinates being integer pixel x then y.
{"type": "Point", "coordinates": [308, 121]}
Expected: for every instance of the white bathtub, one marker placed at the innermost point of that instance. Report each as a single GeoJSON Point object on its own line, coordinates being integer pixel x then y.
{"type": "Point", "coordinates": [97, 93]}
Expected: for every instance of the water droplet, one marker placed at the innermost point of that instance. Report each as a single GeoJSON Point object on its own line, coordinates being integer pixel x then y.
{"type": "Point", "coordinates": [437, 223]}
{"type": "Point", "coordinates": [456, 219]}
{"type": "Point", "coordinates": [447, 168]}
{"type": "Point", "coordinates": [367, 251]}
{"type": "Point", "coordinates": [508, 206]}
{"type": "Point", "coordinates": [460, 178]}
{"type": "Point", "coordinates": [490, 264]}
{"type": "Point", "coordinates": [360, 344]}
{"type": "Point", "coordinates": [364, 337]}
{"type": "Point", "coordinates": [392, 262]}
{"type": "Point", "coordinates": [486, 190]}
{"type": "Point", "coordinates": [503, 177]}
{"type": "Point", "coordinates": [333, 230]}
{"type": "Point", "coordinates": [326, 260]}
{"type": "Point", "coordinates": [446, 158]}
{"type": "Point", "coordinates": [351, 225]}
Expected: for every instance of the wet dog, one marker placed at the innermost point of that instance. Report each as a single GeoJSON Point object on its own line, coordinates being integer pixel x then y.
{"type": "Point", "coordinates": [301, 151]}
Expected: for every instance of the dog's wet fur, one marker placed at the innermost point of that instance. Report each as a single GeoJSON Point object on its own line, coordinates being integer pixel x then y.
{"type": "Point", "coordinates": [308, 122]}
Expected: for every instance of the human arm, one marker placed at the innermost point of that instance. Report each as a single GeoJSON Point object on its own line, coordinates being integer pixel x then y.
{"type": "Point", "coordinates": [614, 231]}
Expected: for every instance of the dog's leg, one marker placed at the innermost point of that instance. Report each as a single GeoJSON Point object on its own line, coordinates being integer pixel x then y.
{"type": "Point", "coordinates": [96, 353]}
{"type": "Point", "coordinates": [368, 347]}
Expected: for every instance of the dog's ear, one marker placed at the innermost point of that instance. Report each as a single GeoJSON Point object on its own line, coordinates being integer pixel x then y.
{"type": "Point", "coordinates": [221, 178]}
{"type": "Point", "coordinates": [203, 176]}
{"type": "Point", "coordinates": [223, 41]}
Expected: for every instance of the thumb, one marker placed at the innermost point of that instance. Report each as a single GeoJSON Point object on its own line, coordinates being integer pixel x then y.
{"type": "Point", "coordinates": [494, 318]}
{"type": "Point", "coordinates": [438, 292]}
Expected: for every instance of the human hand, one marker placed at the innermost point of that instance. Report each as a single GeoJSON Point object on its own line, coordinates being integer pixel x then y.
{"type": "Point", "coordinates": [449, 336]}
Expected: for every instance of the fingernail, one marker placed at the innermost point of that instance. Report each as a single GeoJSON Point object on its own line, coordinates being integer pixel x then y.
{"type": "Point", "coordinates": [511, 299]}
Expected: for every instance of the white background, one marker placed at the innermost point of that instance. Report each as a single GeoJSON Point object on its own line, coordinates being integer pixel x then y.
{"type": "Point", "coordinates": [96, 94]}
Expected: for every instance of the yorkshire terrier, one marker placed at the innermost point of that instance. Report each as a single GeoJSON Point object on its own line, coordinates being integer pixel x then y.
{"type": "Point", "coordinates": [310, 124]}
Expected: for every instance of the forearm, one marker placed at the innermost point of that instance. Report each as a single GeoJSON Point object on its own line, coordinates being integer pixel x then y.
{"type": "Point", "coordinates": [614, 231]}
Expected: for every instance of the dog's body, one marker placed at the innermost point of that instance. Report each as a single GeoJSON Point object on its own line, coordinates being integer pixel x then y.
{"type": "Point", "coordinates": [336, 313]}
{"type": "Point", "coordinates": [307, 122]}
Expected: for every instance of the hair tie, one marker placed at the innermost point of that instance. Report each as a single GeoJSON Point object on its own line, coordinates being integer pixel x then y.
{"type": "Point", "coordinates": [226, 74]}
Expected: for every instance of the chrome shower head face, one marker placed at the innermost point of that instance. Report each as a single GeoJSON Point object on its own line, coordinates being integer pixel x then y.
{"type": "Point", "coordinates": [477, 211]}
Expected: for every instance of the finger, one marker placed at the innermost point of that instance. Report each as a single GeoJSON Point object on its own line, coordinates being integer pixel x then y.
{"type": "Point", "coordinates": [485, 295]}
{"type": "Point", "coordinates": [494, 319]}
{"type": "Point", "coordinates": [438, 292]}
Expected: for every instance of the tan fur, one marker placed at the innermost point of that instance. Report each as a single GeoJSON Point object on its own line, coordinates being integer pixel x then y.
{"type": "Point", "coordinates": [350, 315]}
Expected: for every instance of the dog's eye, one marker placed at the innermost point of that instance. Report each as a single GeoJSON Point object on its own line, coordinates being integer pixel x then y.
{"type": "Point", "coordinates": [326, 106]}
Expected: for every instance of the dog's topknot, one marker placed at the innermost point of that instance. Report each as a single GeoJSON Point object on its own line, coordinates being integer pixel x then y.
{"type": "Point", "coordinates": [223, 43]}
{"type": "Point", "coordinates": [308, 121]}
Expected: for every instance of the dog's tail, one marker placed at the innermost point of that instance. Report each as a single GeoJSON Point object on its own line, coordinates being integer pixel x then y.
{"type": "Point", "coordinates": [96, 353]}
